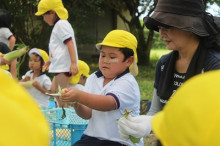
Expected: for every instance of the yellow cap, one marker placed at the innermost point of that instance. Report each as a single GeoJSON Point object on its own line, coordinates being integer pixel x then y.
{"type": "Point", "coordinates": [122, 39]}
{"type": "Point", "coordinates": [83, 69]}
{"type": "Point", "coordinates": [56, 5]}
{"type": "Point", "coordinates": [5, 67]}
{"type": "Point", "coordinates": [22, 122]}
{"type": "Point", "coordinates": [192, 116]}
{"type": "Point", "coordinates": [40, 52]}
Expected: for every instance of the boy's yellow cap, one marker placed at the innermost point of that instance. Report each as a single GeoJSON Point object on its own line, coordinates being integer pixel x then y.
{"type": "Point", "coordinates": [122, 39]}
{"type": "Point", "coordinates": [40, 52]}
{"type": "Point", "coordinates": [192, 116]}
{"type": "Point", "coordinates": [5, 67]}
{"type": "Point", "coordinates": [22, 122]}
{"type": "Point", "coordinates": [56, 5]}
{"type": "Point", "coordinates": [83, 69]}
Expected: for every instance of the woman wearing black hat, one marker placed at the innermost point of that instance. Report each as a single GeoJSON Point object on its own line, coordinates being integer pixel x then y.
{"type": "Point", "coordinates": [193, 35]}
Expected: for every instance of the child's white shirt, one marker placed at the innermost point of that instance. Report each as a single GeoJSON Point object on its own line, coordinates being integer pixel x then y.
{"type": "Point", "coordinates": [5, 34]}
{"type": "Point", "coordinates": [58, 50]}
{"type": "Point", "coordinates": [45, 82]}
{"type": "Point", "coordinates": [125, 90]}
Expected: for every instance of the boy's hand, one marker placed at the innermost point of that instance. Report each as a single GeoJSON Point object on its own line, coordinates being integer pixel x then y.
{"type": "Point", "coordinates": [69, 95]}
{"type": "Point", "coordinates": [73, 69]}
{"type": "Point", "coordinates": [46, 66]}
{"type": "Point", "coordinates": [138, 127]}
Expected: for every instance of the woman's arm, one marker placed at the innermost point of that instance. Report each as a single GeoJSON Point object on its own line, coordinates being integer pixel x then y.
{"type": "Point", "coordinates": [155, 105]}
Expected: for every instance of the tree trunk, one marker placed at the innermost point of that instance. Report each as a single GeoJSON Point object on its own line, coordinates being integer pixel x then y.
{"type": "Point", "coordinates": [149, 45]}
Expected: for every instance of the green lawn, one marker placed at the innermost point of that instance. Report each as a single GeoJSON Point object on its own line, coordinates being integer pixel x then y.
{"type": "Point", "coordinates": [145, 78]}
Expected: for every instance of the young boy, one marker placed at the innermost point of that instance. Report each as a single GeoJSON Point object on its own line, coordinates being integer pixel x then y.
{"type": "Point", "coordinates": [62, 45]}
{"type": "Point", "coordinates": [110, 91]}
{"type": "Point", "coordinates": [42, 82]}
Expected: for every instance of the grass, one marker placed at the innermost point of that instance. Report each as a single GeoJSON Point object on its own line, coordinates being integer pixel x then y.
{"type": "Point", "coordinates": [146, 75]}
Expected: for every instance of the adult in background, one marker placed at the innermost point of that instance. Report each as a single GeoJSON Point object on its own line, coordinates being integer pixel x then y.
{"type": "Point", "coordinates": [6, 65]}
{"type": "Point", "coordinates": [193, 36]}
{"type": "Point", "coordinates": [6, 36]}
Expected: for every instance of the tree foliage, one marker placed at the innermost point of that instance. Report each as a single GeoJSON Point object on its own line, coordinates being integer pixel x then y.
{"type": "Point", "coordinates": [33, 31]}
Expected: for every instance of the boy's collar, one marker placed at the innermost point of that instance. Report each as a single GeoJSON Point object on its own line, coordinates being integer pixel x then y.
{"type": "Point", "coordinates": [99, 74]}
{"type": "Point", "coordinates": [56, 20]}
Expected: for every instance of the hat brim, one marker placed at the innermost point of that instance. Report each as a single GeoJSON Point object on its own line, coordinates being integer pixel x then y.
{"type": "Point", "coordinates": [110, 44]}
{"type": "Point", "coordinates": [39, 13]}
{"type": "Point", "coordinates": [34, 50]}
{"type": "Point", "coordinates": [186, 23]}
{"type": "Point", "coordinates": [75, 79]}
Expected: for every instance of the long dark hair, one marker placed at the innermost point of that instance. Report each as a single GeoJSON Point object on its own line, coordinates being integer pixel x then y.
{"type": "Point", "coordinates": [5, 18]}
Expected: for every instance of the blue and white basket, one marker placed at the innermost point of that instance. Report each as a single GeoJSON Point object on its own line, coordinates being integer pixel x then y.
{"type": "Point", "coordinates": [64, 131]}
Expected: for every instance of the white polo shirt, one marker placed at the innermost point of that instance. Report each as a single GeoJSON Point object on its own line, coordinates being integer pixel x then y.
{"type": "Point", "coordinates": [58, 50]}
{"type": "Point", "coordinates": [39, 97]}
{"type": "Point", "coordinates": [125, 90]}
{"type": "Point", "coordinates": [5, 34]}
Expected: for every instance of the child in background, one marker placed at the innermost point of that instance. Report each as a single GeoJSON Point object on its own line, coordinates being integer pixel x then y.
{"type": "Point", "coordinates": [78, 80]}
{"type": "Point", "coordinates": [4, 50]}
{"type": "Point", "coordinates": [42, 82]}
{"type": "Point", "coordinates": [62, 45]}
{"type": "Point", "coordinates": [110, 91]}
{"type": "Point", "coordinates": [6, 35]}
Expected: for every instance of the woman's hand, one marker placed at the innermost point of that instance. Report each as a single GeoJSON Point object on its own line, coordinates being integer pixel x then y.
{"type": "Point", "coordinates": [138, 127]}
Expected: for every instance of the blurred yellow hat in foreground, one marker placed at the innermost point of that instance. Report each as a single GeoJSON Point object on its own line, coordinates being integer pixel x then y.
{"type": "Point", "coordinates": [192, 116]}
{"type": "Point", "coordinates": [22, 122]}
{"type": "Point", "coordinates": [83, 69]}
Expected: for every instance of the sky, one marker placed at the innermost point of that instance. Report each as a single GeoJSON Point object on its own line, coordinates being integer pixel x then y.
{"type": "Point", "coordinates": [214, 10]}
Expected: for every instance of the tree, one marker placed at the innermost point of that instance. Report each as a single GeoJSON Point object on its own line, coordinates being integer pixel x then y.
{"type": "Point", "coordinates": [136, 8]}
{"type": "Point", "coordinates": [33, 31]}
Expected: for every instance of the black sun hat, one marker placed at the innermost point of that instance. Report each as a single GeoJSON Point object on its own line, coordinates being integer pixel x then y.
{"type": "Point", "coordinates": [188, 15]}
